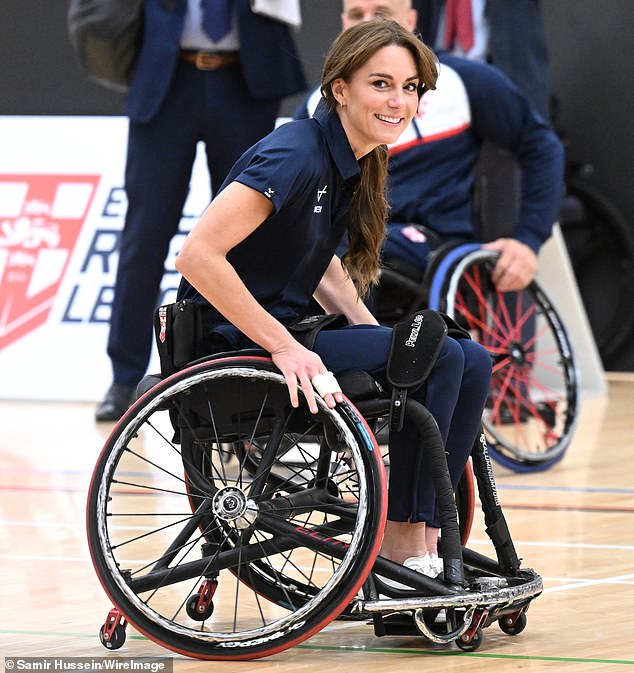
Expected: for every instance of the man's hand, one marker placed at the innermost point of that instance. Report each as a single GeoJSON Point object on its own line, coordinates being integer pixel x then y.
{"type": "Point", "coordinates": [516, 265]}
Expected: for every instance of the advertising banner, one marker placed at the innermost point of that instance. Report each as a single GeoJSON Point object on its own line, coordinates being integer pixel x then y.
{"type": "Point", "coordinates": [62, 205]}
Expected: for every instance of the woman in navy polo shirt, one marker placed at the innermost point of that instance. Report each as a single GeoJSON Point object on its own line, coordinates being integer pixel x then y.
{"type": "Point", "coordinates": [265, 247]}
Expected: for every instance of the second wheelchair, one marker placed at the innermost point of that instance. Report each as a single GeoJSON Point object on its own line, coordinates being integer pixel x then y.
{"type": "Point", "coordinates": [533, 405]}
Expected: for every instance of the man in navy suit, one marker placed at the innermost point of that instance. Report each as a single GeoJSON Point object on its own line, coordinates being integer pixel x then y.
{"type": "Point", "coordinates": [191, 83]}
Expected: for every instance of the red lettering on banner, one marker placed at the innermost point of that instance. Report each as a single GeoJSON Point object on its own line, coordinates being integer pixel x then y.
{"type": "Point", "coordinates": [41, 217]}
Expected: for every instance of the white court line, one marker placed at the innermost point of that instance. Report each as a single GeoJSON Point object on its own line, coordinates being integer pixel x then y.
{"type": "Point", "coordinates": [73, 526]}
{"type": "Point", "coordinates": [63, 559]}
{"type": "Point", "coordinates": [618, 579]}
{"type": "Point", "coordinates": [562, 545]}
{"type": "Point", "coordinates": [40, 524]}
{"type": "Point", "coordinates": [521, 543]}
{"type": "Point", "coordinates": [573, 582]}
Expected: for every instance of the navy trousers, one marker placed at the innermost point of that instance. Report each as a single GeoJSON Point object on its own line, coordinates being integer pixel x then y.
{"type": "Point", "coordinates": [398, 246]}
{"type": "Point", "coordinates": [455, 394]}
{"type": "Point", "coordinates": [209, 106]}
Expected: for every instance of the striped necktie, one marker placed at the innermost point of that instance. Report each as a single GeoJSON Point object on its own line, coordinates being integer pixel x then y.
{"type": "Point", "coordinates": [458, 24]}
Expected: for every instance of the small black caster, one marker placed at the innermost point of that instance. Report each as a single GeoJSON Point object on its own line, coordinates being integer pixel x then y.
{"type": "Point", "coordinates": [511, 625]}
{"type": "Point", "coordinates": [471, 643]}
{"type": "Point", "coordinates": [194, 609]}
{"type": "Point", "coordinates": [115, 639]}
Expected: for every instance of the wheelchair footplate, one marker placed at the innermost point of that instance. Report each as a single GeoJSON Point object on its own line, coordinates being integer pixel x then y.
{"type": "Point", "coordinates": [454, 614]}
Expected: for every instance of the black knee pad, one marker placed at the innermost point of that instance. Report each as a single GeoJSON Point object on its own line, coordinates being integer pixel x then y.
{"type": "Point", "coordinates": [416, 344]}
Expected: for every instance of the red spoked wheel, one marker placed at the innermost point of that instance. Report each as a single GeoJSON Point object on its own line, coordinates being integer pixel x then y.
{"type": "Point", "coordinates": [532, 407]}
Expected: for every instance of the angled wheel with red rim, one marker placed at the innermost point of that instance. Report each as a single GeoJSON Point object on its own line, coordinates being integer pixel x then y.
{"type": "Point", "coordinates": [289, 553]}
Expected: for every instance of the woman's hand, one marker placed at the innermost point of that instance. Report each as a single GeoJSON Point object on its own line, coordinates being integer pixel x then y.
{"type": "Point", "coordinates": [299, 367]}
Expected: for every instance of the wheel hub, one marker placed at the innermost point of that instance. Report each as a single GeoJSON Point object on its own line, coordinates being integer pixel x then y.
{"type": "Point", "coordinates": [517, 352]}
{"type": "Point", "coordinates": [231, 504]}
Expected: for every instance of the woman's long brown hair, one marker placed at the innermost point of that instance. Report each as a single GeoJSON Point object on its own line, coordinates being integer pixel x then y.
{"type": "Point", "coordinates": [369, 207]}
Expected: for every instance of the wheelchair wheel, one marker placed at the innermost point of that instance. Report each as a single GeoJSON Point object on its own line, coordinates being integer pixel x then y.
{"type": "Point", "coordinates": [532, 407]}
{"type": "Point", "coordinates": [235, 558]}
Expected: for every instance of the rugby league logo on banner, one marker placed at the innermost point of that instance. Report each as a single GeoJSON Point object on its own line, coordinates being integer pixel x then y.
{"type": "Point", "coordinates": [41, 217]}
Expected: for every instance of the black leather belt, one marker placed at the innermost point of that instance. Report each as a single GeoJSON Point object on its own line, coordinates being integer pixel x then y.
{"type": "Point", "coordinates": [209, 60]}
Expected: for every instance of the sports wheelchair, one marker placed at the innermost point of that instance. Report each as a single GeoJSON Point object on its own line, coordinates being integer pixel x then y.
{"type": "Point", "coordinates": [225, 524]}
{"type": "Point", "coordinates": [533, 406]}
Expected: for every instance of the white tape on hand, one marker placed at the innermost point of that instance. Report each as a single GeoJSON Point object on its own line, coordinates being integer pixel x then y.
{"type": "Point", "coordinates": [325, 383]}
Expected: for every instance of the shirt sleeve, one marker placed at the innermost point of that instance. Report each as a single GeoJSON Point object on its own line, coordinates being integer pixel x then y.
{"type": "Point", "coordinates": [502, 114]}
{"type": "Point", "coordinates": [283, 165]}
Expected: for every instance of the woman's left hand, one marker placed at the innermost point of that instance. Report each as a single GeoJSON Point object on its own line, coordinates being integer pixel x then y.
{"type": "Point", "coordinates": [300, 367]}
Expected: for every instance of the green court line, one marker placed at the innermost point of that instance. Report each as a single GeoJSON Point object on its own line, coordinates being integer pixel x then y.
{"type": "Point", "coordinates": [460, 653]}
{"type": "Point", "coordinates": [375, 650]}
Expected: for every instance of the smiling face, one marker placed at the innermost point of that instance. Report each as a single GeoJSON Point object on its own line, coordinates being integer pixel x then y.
{"type": "Point", "coordinates": [380, 99]}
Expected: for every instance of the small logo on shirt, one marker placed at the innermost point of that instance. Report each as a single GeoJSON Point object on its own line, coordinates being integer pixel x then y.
{"type": "Point", "coordinates": [268, 192]}
{"type": "Point", "coordinates": [320, 193]}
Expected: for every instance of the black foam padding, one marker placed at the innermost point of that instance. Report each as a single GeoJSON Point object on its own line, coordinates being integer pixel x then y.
{"type": "Point", "coordinates": [360, 386]}
{"type": "Point", "coordinates": [416, 344]}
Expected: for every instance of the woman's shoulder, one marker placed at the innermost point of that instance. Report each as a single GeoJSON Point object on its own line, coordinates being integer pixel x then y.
{"type": "Point", "coordinates": [287, 162]}
{"type": "Point", "coordinates": [297, 132]}
{"type": "Point", "coordinates": [298, 141]}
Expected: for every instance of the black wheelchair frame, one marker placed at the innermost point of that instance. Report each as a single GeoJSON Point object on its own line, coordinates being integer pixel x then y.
{"type": "Point", "coordinates": [224, 524]}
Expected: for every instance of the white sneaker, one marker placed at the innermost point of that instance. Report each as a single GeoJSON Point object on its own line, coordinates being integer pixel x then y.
{"type": "Point", "coordinates": [436, 564]}
{"type": "Point", "coordinates": [441, 617]}
{"type": "Point", "coordinates": [429, 565]}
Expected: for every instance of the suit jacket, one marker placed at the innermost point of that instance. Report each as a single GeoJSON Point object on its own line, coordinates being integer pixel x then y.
{"type": "Point", "coordinates": [268, 56]}
{"type": "Point", "coordinates": [518, 47]}
{"type": "Point", "coordinates": [517, 43]}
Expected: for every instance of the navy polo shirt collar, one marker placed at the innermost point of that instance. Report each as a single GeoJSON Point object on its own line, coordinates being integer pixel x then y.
{"type": "Point", "coordinates": [337, 141]}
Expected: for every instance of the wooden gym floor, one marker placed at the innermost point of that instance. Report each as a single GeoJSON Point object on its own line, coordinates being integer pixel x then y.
{"type": "Point", "coordinates": [573, 523]}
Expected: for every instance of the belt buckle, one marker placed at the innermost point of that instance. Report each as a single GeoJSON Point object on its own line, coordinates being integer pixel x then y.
{"type": "Point", "coordinates": [206, 61]}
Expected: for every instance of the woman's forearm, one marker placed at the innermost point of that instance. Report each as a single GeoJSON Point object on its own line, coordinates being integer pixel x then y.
{"type": "Point", "coordinates": [336, 293]}
{"type": "Point", "coordinates": [216, 279]}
